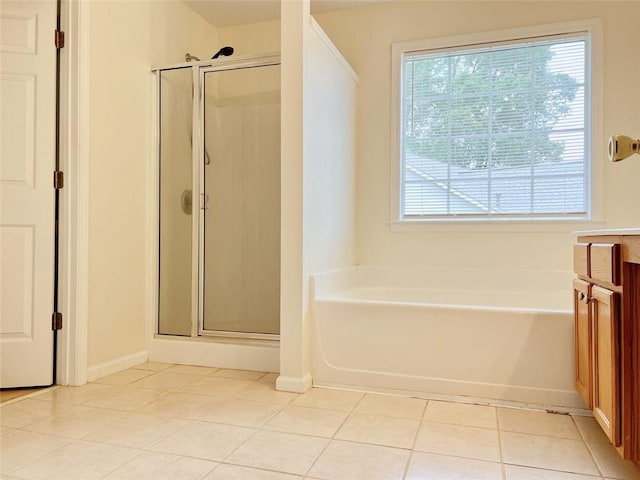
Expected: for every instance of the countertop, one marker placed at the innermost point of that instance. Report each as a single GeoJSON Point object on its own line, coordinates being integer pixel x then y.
{"type": "Point", "coordinates": [609, 231]}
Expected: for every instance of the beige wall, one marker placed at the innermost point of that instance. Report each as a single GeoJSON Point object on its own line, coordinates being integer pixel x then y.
{"type": "Point", "coordinates": [126, 39]}
{"type": "Point", "coordinates": [253, 38]}
{"type": "Point", "coordinates": [364, 35]}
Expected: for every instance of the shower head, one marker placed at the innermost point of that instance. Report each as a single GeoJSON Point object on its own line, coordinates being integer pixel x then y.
{"type": "Point", "coordinates": [188, 57]}
{"type": "Point", "coordinates": [224, 51]}
{"type": "Point", "coordinates": [621, 147]}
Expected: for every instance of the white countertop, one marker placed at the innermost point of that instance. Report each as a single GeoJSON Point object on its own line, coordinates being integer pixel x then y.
{"type": "Point", "coordinates": [609, 231]}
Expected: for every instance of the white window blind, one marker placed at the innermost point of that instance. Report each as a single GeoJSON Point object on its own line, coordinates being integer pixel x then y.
{"type": "Point", "coordinates": [496, 131]}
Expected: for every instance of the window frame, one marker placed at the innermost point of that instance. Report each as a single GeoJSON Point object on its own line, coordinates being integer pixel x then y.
{"type": "Point", "coordinates": [592, 28]}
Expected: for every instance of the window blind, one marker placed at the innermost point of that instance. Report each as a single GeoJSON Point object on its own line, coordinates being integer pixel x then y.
{"type": "Point", "coordinates": [496, 131]}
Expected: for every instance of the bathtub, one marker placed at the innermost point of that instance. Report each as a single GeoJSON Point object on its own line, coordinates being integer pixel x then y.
{"type": "Point", "coordinates": [495, 336]}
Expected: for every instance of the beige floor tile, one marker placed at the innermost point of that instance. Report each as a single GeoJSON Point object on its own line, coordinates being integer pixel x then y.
{"type": "Point", "coordinates": [153, 366]}
{"type": "Point", "coordinates": [235, 472]}
{"type": "Point", "coordinates": [19, 448]}
{"type": "Point", "coordinates": [428, 466]}
{"type": "Point", "coordinates": [181, 405]}
{"type": "Point", "coordinates": [125, 377]}
{"type": "Point", "coordinates": [27, 411]}
{"type": "Point", "coordinates": [461, 414]}
{"type": "Point", "coordinates": [329, 399]}
{"type": "Point", "coordinates": [391, 406]}
{"type": "Point", "coordinates": [167, 381]}
{"type": "Point", "coordinates": [218, 387]}
{"type": "Point", "coordinates": [459, 440]}
{"type": "Point", "coordinates": [269, 377]}
{"type": "Point", "coordinates": [388, 431]}
{"type": "Point", "coordinates": [162, 466]}
{"type": "Point", "coordinates": [136, 430]}
{"type": "Point", "coordinates": [245, 413]}
{"type": "Point", "coordinates": [514, 472]}
{"type": "Point", "coordinates": [5, 431]}
{"type": "Point", "coordinates": [282, 452]}
{"type": "Point", "coordinates": [75, 395]}
{"type": "Point", "coordinates": [356, 461]}
{"type": "Point", "coordinates": [549, 453]}
{"type": "Point", "coordinates": [78, 460]}
{"type": "Point", "coordinates": [13, 393]}
{"type": "Point", "coordinates": [611, 464]}
{"type": "Point", "coordinates": [126, 398]}
{"type": "Point", "coordinates": [191, 370]}
{"type": "Point", "coordinates": [209, 441]}
{"type": "Point", "coordinates": [264, 392]}
{"type": "Point", "coordinates": [307, 421]}
{"type": "Point", "coordinates": [537, 423]}
{"type": "Point", "coordinates": [75, 423]}
{"type": "Point", "coordinates": [237, 374]}
{"type": "Point", "coordinates": [590, 429]}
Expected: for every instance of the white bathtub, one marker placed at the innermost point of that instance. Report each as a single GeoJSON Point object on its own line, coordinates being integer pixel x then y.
{"type": "Point", "coordinates": [497, 335]}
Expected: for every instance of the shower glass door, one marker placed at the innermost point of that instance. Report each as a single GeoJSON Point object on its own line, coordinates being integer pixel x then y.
{"type": "Point", "coordinates": [240, 202]}
{"type": "Point", "coordinates": [176, 275]}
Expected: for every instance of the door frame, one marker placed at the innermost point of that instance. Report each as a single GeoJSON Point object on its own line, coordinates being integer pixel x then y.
{"type": "Point", "coordinates": [72, 359]}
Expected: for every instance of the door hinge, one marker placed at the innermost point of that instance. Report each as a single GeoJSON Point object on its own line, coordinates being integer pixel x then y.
{"type": "Point", "coordinates": [58, 179]}
{"type": "Point", "coordinates": [56, 321]}
{"type": "Point", "coordinates": [59, 39]}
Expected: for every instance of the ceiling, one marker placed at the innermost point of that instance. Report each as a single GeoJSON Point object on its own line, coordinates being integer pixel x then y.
{"type": "Point", "coordinates": [226, 13]}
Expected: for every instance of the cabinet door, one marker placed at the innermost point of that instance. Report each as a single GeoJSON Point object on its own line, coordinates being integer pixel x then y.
{"type": "Point", "coordinates": [606, 362]}
{"type": "Point", "coordinates": [583, 341]}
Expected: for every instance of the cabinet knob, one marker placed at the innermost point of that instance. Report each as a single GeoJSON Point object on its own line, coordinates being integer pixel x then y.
{"type": "Point", "coordinates": [583, 298]}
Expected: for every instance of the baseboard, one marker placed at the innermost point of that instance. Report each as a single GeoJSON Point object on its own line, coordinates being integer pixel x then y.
{"type": "Point", "coordinates": [115, 365]}
{"type": "Point", "coordinates": [294, 384]}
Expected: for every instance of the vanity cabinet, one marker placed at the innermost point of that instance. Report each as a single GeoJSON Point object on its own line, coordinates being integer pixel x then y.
{"type": "Point", "coordinates": [606, 298]}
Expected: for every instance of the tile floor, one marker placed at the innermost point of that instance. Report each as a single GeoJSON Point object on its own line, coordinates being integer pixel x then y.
{"type": "Point", "coordinates": [161, 421]}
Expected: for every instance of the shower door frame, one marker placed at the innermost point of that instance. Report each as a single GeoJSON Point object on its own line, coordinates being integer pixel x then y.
{"type": "Point", "coordinates": [198, 71]}
{"type": "Point", "coordinates": [249, 62]}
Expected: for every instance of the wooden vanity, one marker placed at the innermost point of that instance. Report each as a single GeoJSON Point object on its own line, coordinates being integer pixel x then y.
{"type": "Point", "coordinates": [606, 300]}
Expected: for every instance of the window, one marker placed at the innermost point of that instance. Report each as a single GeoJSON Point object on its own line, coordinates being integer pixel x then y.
{"type": "Point", "coordinates": [494, 130]}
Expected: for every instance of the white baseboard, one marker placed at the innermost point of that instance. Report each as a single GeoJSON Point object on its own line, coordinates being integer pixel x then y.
{"type": "Point", "coordinates": [115, 365]}
{"type": "Point", "coordinates": [294, 384]}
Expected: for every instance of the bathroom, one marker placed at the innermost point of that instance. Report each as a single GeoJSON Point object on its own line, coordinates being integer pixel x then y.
{"type": "Point", "coordinates": [336, 217]}
{"type": "Point", "coordinates": [507, 284]}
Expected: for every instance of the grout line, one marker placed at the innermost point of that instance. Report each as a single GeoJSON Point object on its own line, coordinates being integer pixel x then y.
{"type": "Point", "coordinates": [415, 439]}
{"type": "Point", "coordinates": [333, 438]}
{"type": "Point", "coordinates": [503, 467]}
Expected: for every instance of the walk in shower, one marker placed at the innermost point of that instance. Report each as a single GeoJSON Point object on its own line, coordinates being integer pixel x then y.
{"type": "Point", "coordinates": [219, 198]}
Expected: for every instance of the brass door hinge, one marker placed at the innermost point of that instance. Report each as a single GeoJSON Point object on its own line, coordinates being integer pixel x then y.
{"type": "Point", "coordinates": [56, 321]}
{"type": "Point", "coordinates": [59, 39]}
{"type": "Point", "coordinates": [58, 179]}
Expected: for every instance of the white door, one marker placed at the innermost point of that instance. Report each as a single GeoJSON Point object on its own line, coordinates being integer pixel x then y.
{"type": "Point", "coordinates": [27, 143]}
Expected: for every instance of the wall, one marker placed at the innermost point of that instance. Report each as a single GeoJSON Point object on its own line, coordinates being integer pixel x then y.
{"type": "Point", "coordinates": [364, 35]}
{"type": "Point", "coordinates": [318, 179]}
{"type": "Point", "coordinates": [121, 119]}
{"type": "Point", "coordinates": [329, 132]}
{"type": "Point", "coordinates": [253, 38]}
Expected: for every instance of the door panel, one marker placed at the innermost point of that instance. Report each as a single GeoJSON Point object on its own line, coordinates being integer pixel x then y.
{"type": "Point", "coordinates": [606, 387]}
{"type": "Point", "coordinates": [583, 339]}
{"type": "Point", "coordinates": [27, 142]}
{"type": "Point", "coordinates": [241, 246]}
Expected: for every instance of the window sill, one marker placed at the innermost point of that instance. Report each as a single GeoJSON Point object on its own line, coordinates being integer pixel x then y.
{"type": "Point", "coordinates": [495, 226]}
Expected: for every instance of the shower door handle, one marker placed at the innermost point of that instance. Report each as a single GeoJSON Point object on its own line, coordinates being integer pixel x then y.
{"type": "Point", "coordinates": [204, 201]}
